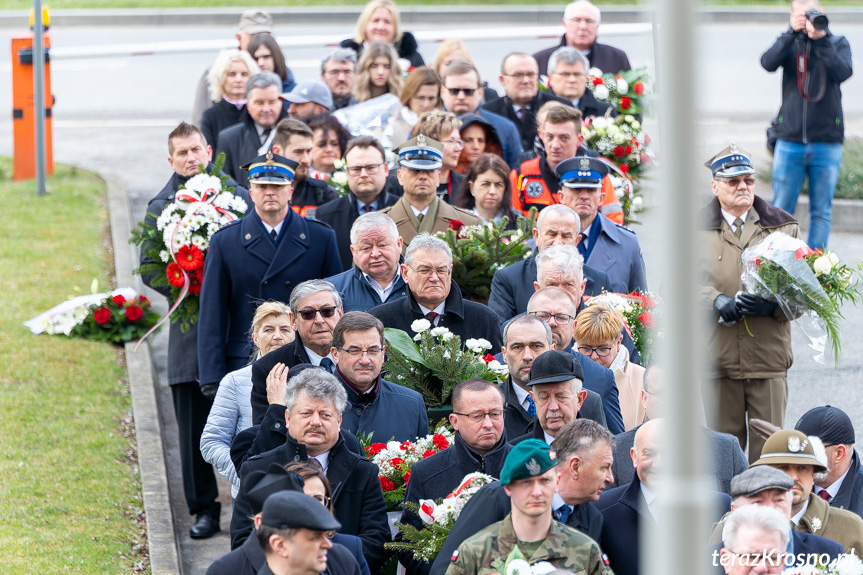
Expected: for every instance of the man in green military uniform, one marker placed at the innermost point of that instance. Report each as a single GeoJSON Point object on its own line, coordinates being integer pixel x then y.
{"type": "Point", "coordinates": [530, 478]}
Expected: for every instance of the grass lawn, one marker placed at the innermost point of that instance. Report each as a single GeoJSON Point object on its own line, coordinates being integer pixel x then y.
{"type": "Point", "coordinates": [70, 495]}
{"type": "Point", "coordinates": [61, 4]}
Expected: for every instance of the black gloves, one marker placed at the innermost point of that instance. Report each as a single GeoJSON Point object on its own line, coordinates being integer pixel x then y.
{"type": "Point", "coordinates": [727, 309]}
{"type": "Point", "coordinates": [209, 390]}
{"type": "Point", "coordinates": [750, 304]}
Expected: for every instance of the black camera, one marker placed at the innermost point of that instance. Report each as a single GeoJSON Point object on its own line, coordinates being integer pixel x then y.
{"type": "Point", "coordinates": [819, 20]}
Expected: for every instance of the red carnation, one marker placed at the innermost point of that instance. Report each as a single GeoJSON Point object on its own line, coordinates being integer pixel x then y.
{"type": "Point", "coordinates": [118, 299]}
{"type": "Point", "coordinates": [647, 302]}
{"type": "Point", "coordinates": [405, 445]}
{"type": "Point", "coordinates": [190, 258]}
{"type": "Point", "coordinates": [407, 477]}
{"type": "Point", "coordinates": [429, 453]}
{"type": "Point", "coordinates": [597, 81]}
{"type": "Point", "coordinates": [619, 152]}
{"type": "Point", "coordinates": [624, 168]}
{"type": "Point", "coordinates": [134, 313]}
{"type": "Point", "coordinates": [376, 448]}
{"type": "Point", "coordinates": [440, 441]}
{"type": "Point", "coordinates": [102, 315]}
{"type": "Point", "coordinates": [386, 484]}
{"type": "Point", "coordinates": [638, 88]}
{"type": "Point", "coordinates": [396, 461]}
{"type": "Point", "coordinates": [628, 150]}
{"type": "Point", "coordinates": [625, 103]}
{"type": "Point", "coordinates": [647, 320]}
{"type": "Point", "coordinates": [143, 300]}
{"type": "Point", "coordinates": [455, 225]}
{"type": "Point", "coordinates": [175, 275]}
{"type": "Point", "coordinates": [195, 281]}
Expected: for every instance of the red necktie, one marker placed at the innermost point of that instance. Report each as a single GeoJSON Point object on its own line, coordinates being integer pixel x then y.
{"type": "Point", "coordinates": [824, 495]}
{"type": "Point", "coordinates": [431, 316]}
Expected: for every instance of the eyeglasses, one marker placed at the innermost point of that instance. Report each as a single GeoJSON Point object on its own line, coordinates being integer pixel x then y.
{"type": "Point", "coordinates": [457, 144]}
{"type": "Point", "coordinates": [309, 314]}
{"type": "Point", "coordinates": [587, 21]}
{"type": "Point", "coordinates": [337, 73]}
{"type": "Point", "coordinates": [559, 318]}
{"type": "Point", "coordinates": [735, 182]}
{"type": "Point", "coordinates": [370, 169]}
{"type": "Point", "coordinates": [427, 271]}
{"type": "Point", "coordinates": [600, 351]}
{"type": "Point", "coordinates": [467, 91]}
{"type": "Point", "coordinates": [570, 75]}
{"type": "Point", "coordinates": [478, 416]}
{"type": "Point", "coordinates": [372, 352]}
{"type": "Point", "coordinates": [519, 76]}
{"type": "Point", "coordinates": [775, 559]}
{"type": "Point", "coordinates": [325, 500]}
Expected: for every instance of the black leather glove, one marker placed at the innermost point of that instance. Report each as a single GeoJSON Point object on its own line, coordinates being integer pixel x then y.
{"type": "Point", "coordinates": [751, 304]}
{"type": "Point", "coordinates": [209, 390]}
{"type": "Point", "coordinates": [726, 308]}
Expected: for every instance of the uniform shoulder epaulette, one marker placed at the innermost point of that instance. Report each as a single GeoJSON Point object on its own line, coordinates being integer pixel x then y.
{"type": "Point", "coordinates": [254, 457]}
{"type": "Point", "coordinates": [228, 225]}
{"type": "Point", "coordinates": [626, 229]}
{"type": "Point", "coordinates": [318, 222]}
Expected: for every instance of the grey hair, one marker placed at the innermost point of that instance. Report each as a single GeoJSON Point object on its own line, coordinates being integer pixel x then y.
{"type": "Point", "coordinates": [565, 258]}
{"type": "Point", "coordinates": [263, 80]}
{"type": "Point", "coordinates": [373, 221]}
{"type": "Point", "coordinates": [755, 517]}
{"type": "Point", "coordinates": [560, 210]}
{"type": "Point", "coordinates": [309, 287]}
{"type": "Point", "coordinates": [343, 55]}
{"type": "Point", "coordinates": [426, 241]}
{"type": "Point", "coordinates": [571, 7]}
{"type": "Point", "coordinates": [526, 319]}
{"type": "Point", "coordinates": [318, 384]}
{"type": "Point", "coordinates": [567, 55]}
{"type": "Point", "coordinates": [580, 436]}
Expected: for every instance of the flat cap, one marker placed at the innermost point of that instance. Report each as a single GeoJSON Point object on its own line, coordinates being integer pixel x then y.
{"type": "Point", "coordinates": [292, 510]}
{"type": "Point", "coordinates": [581, 172]}
{"type": "Point", "coordinates": [255, 22]}
{"type": "Point", "coordinates": [555, 366]}
{"type": "Point", "coordinates": [830, 424]}
{"type": "Point", "coordinates": [310, 91]}
{"type": "Point", "coordinates": [528, 458]}
{"type": "Point", "coordinates": [421, 153]}
{"type": "Point", "coordinates": [789, 447]}
{"type": "Point", "coordinates": [259, 485]}
{"type": "Point", "coordinates": [732, 161]}
{"type": "Point", "coordinates": [757, 479]}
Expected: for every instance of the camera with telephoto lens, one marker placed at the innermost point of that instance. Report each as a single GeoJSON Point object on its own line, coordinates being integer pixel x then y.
{"type": "Point", "coordinates": [819, 20]}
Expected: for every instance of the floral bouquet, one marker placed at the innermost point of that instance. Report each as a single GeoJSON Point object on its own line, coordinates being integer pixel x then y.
{"type": "Point", "coordinates": [479, 251]}
{"type": "Point", "coordinates": [624, 90]}
{"type": "Point", "coordinates": [639, 319]}
{"type": "Point", "coordinates": [802, 281]}
{"type": "Point", "coordinates": [845, 564]}
{"type": "Point", "coordinates": [438, 363]}
{"type": "Point", "coordinates": [438, 518]}
{"type": "Point", "coordinates": [516, 564]}
{"type": "Point", "coordinates": [178, 243]}
{"type": "Point", "coordinates": [339, 179]}
{"type": "Point", "coordinates": [394, 461]}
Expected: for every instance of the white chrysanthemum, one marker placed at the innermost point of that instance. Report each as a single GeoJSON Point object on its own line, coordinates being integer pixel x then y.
{"type": "Point", "coordinates": [594, 71]}
{"type": "Point", "coordinates": [439, 331]}
{"type": "Point", "coordinates": [164, 256]}
{"type": "Point", "coordinates": [848, 564]}
{"type": "Point", "coordinates": [637, 201]}
{"type": "Point", "coordinates": [622, 86]}
{"type": "Point", "coordinates": [420, 325]}
{"type": "Point", "coordinates": [601, 92]}
{"type": "Point", "coordinates": [239, 205]}
{"type": "Point", "coordinates": [599, 123]}
{"type": "Point", "coordinates": [224, 200]}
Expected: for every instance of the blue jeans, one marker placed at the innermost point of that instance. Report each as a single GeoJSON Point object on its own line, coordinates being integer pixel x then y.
{"type": "Point", "coordinates": [819, 161]}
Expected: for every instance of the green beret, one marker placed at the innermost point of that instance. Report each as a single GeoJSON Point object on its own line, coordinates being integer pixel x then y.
{"type": "Point", "coordinates": [529, 458]}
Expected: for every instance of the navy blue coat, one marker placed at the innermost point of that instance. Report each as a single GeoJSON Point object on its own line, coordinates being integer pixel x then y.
{"type": "Point", "coordinates": [850, 495]}
{"type": "Point", "coordinates": [244, 268]}
{"type": "Point", "coordinates": [618, 254]}
{"type": "Point", "coordinates": [607, 58]}
{"type": "Point", "coordinates": [396, 413]}
{"type": "Point", "coordinates": [358, 295]}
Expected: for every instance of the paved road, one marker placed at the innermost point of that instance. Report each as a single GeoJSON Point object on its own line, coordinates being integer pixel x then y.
{"type": "Point", "coordinates": [113, 115]}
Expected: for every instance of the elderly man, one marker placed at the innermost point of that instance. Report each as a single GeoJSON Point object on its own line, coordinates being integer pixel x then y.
{"type": "Point", "coordinates": [339, 73]}
{"type": "Point", "coordinates": [529, 477]}
{"type": "Point", "coordinates": [432, 295]}
{"type": "Point", "coordinates": [375, 406]}
{"type": "Point", "coordinates": [607, 246]}
{"type": "Point", "coordinates": [420, 210]}
{"type": "Point", "coordinates": [555, 306]}
{"type": "Point", "coordinates": [750, 380]}
{"type": "Point", "coordinates": [367, 172]}
{"type": "Point", "coordinates": [522, 99]}
{"type": "Point", "coordinates": [253, 134]}
{"type": "Point", "coordinates": [257, 259]}
{"type": "Point", "coordinates": [315, 401]}
{"type": "Point", "coordinates": [793, 452]}
{"type": "Point", "coordinates": [525, 338]}
{"type": "Point", "coordinates": [308, 100]}
{"type": "Point", "coordinates": [581, 21]}
{"type": "Point", "coordinates": [462, 93]}
{"type": "Point", "coordinates": [567, 77]}
{"type": "Point", "coordinates": [842, 485]}
{"type": "Point", "coordinates": [754, 538]}
{"type": "Point", "coordinates": [479, 447]}
{"type": "Point", "coordinates": [293, 140]}
{"type": "Point", "coordinates": [512, 286]}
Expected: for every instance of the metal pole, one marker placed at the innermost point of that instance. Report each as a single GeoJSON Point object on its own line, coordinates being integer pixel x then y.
{"type": "Point", "coordinates": [679, 547]}
{"type": "Point", "coordinates": [39, 95]}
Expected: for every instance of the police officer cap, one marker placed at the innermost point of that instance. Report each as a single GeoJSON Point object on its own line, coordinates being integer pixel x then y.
{"type": "Point", "coordinates": [555, 366]}
{"type": "Point", "coordinates": [581, 172]}
{"type": "Point", "coordinates": [271, 169]}
{"type": "Point", "coordinates": [421, 153]}
{"type": "Point", "coordinates": [789, 447]}
{"type": "Point", "coordinates": [830, 424]}
{"type": "Point", "coordinates": [259, 485]}
{"type": "Point", "coordinates": [757, 479]}
{"type": "Point", "coordinates": [528, 458]}
{"type": "Point", "coordinates": [293, 510]}
{"type": "Point", "coordinates": [732, 161]}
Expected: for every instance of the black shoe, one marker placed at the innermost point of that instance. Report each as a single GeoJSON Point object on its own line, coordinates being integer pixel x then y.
{"type": "Point", "coordinates": [206, 526]}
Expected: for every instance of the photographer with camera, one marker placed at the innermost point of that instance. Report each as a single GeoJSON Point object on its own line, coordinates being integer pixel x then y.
{"type": "Point", "coordinates": [810, 126]}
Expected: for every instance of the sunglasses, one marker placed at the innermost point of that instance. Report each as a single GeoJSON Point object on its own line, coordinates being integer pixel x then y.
{"type": "Point", "coordinates": [309, 314]}
{"type": "Point", "coordinates": [467, 91]}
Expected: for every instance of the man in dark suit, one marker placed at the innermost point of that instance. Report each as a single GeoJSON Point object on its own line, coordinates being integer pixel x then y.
{"type": "Point", "coordinates": [581, 20]}
{"type": "Point", "coordinates": [253, 134]}
{"type": "Point", "coordinates": [512, 286]}
{"type": "Point", "coordinates": [188, 150]}
{"type": "Point", "coordinates": [294, 140]}
{"type": "Point", "coordinates": [258, 258]}
{"type": "Point", "coordinates": [432, 295]}
{"type": "Point", "coordinates": [367, 172]}
{"type": "Point", "coordinates": [583, 449]}
{"type": "Point", "coordinates": [523, 99]}
{"type": "Point", "coordinates": [567, 77]}
{"type": "Point", "coordinates": [842, 485]}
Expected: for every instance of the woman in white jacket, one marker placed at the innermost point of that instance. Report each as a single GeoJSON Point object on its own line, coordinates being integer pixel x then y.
{"type": "Point", "coordinates": [232, 409]}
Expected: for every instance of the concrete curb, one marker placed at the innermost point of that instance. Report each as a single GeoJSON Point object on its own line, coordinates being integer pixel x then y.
{"type": "Point", "coordinates": [162, 540]}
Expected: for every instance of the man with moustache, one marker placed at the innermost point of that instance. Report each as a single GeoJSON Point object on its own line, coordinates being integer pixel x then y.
{"type": "Point", "coordinates": [294, 140]}
{"type": "Point", "coordinates": [339, 72]}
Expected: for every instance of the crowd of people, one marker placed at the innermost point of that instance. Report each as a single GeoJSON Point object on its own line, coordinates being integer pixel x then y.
{"type": "Point", "coordinates": [283, 372]}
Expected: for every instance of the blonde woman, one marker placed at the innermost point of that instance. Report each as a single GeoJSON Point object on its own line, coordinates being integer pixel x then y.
{"type": "Point", "coordinates": [380, 22]}
{"type": "Point", "coordinates": [378, 72]}
{"type": "Point", "coordinates": [227, 79]}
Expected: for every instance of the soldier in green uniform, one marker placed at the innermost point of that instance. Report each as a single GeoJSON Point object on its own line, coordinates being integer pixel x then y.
{"type": "Point", "coordinates": [530, 478]}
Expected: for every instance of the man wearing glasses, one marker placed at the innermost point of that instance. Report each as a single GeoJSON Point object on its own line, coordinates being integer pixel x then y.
{"type": "Point", "coordinates": [567, 77]}
{"type": "Point", "coordinates": [339, 73]}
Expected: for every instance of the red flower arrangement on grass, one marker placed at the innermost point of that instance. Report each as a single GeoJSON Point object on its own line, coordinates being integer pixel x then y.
{"type": "Point", "coordinates": [117, 319]}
